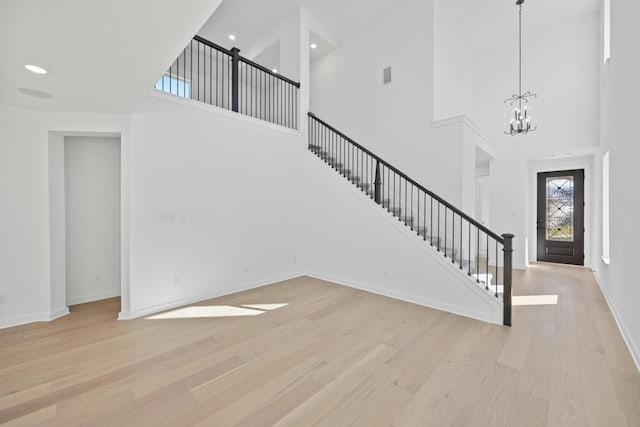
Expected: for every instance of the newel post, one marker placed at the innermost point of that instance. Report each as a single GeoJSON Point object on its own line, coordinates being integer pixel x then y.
{"type": "Point", "coordinates": [235, 77]}
{"type": "Point", "coordinates": [508, 278]}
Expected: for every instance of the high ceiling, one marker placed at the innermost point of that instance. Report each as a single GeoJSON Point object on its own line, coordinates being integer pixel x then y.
{"type": "Point", "coordinates": [484, 22]}
{"type": "Point", "coordinates": [488, 24]}
{"type": "Point", "coordinates": [248, 20]}
{"type": "Point", "coordinates": [102, 56]}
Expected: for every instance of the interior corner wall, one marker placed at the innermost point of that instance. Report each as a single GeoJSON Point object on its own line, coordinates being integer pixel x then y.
{"type": "Point", "coordinates": [362, 246]}
{"type": "Point", "coordinates": [57, 223]}
{"type": "Point", "coordinates": [25, 216]}
{"type": "Point", "coordinates": [561, 66]}
{"type": "Point", "coordinates": [452, 62]}
{"type": "Point", "coordinates": [212, 203]}
{"type": "Point", "coordinates": [24, 267]}
{"type": "Point", "coordinates": [620, 90]}
{"type": "Point", "coordinates": [393, 120]}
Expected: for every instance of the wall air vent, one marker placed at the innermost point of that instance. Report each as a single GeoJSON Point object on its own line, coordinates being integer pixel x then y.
{"type": "Point", "coordinates": [386, 76]}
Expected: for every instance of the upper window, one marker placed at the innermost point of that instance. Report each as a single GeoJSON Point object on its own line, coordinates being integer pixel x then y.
{"type": "Point", "coordinates": [174, 85]}
{"type": "Point", "coordinates": [606, 28]}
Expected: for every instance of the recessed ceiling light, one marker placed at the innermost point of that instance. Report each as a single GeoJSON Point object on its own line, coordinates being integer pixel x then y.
{"type": "Point", "coordinates": [275, 71]}
{"type": "Point", "coordinates": [35, 93]}
{"type": "Point", "coordinates": [313, 45]}
{"type": "Point", "coordinates": [232, 37]}
{"type": "Point", "coordinates": [35, 69]}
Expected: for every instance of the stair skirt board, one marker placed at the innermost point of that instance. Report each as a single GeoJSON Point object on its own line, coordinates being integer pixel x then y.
{"type": "Point", "coordinates": [424, 243]}
{"type": "Point", "coordinates": [409, 221]}
{"type": "Point", "coordinates": [425, 302]}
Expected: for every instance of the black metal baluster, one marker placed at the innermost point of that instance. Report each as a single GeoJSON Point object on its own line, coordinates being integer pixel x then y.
{"type": "Point", "coordinates": [497, 274]}
{"type": "Point", "coordinates": [431, 226]}
{"type": "Point", "coordinates": [487, 276]}
{"type": "Point", "coordinates": [223, 65]}
{"type": "Point", "coordinates": [438, 236]}
{"type": "Point", "coordinates": [418, 221]}
{"type": "Point", "coordinates": [445, 231]}
{"type": "Point", "coordinates": [216, 77]}
{"type": "Point", "coordinates": [424, 219]}
{"type": "Point", "coordinates": [461, 242]}
{"type": "Point", "coordinates": [478, 255]}
{"type": "Point", "coordinates": [470, 256]}
{"type": "Point", "coordinates": [411, 215]}
{"type": "Point", "coordinates": [453, 236]}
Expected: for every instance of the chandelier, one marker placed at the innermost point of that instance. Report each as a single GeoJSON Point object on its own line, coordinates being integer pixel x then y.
{"type": "Point", "coordinates": [519, 114]}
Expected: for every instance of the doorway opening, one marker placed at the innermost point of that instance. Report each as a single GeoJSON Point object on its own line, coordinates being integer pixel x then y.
{"type": "Point", "coordinates": [92, 218]}
{"type": "Point", "coordinates": [86, 211]}
{"type": "Point", "coordinates": [560, 217]}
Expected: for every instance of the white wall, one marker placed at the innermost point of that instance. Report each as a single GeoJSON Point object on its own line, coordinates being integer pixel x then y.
{"type": "Point", "coordinates": [29, 264]}
{"type": "Point", "coordinates": [92, 192]}
{"type": "Point", "coordinates": [363, 246]}
{"type": "Point", "coordinates": [620, 90]}
{"type": "Point", "coordinates": [561, 66]}
{"type": "Point", "coordinates": [394, 120]}
{"type": "Point", "coordinates": [452, 62]}
{"type": "Point", "coordinates": [212, 203]}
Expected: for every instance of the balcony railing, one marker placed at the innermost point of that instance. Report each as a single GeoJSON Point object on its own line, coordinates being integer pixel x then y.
{"type": "Point", "coordinates": [209, 73]}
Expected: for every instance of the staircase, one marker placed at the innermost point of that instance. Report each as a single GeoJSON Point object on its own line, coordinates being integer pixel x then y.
{"type": "Point", "coordinates": [477, 252]}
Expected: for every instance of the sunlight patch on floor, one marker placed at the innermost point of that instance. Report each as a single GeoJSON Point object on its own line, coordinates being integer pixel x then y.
{"type": "Point", "coordinates": [535, 300]}
{"type": "Point", "coordinates": [206, 311]}
{"type": "Point", "coordinates": [212, 311]}
{"type": "Point", "coordinates": [265, 307]}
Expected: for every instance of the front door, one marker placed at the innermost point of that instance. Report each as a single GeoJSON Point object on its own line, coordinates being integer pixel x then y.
{"type": "Point", "coordinates": [561, 217]}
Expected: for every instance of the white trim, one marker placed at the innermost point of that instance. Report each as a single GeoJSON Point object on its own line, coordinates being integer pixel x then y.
{"type": "Point", "coordinates": [34, 317]}
{"type": "Point", "coordinates": [633, 350]}
{"type": "Point", "coordinates": [465, 120]}
{"type": "Point", "coordinates": [58, 313]}
{"type": "Point", "coordinates": [192, 103]}
{"type": "Point", "coordinates": [420, 244]}
{"type": "Point", "coordinates": [425, 302]}
{"type": "Point", "coordinates": [606, 261]}
{"type": "Point", "coordinates": [586, 163]}
{"type": "Point", "coordinates": [146, 311]}
{"type": "Point", "coordinates": [94, 297]}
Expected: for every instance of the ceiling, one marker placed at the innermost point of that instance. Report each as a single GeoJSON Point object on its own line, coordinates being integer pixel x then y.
{"type": "Point", "coordinates": [488, 24]}
{"type": "Point", "coordinates": [249, 20]}
{"type": "Point", "coordinates": [102, 56]}
{"type": "Point", "coordinates": [484, 22]}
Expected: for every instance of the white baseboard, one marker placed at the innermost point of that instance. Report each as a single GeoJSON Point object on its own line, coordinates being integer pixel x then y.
{"type": "Point", "coordinates": [147, 311]}
{"type": "Point", "coordinates": [58, 313]}
{"type": "Point", "coordinates": [495, 319]}
{"type": "Point", "coordinates": [93, 297]}
{"type": "Point", "coordinates": [33, 317]}
{"type": "Point", "coordinates": [634, 350]}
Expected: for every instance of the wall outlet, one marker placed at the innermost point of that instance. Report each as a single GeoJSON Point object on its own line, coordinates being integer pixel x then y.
{"type": "Point", "coordinates": [4, 299]}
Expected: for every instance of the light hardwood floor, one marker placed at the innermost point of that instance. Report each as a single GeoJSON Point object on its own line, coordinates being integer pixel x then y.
{"type": "Point", "coordinates": [332, 356]}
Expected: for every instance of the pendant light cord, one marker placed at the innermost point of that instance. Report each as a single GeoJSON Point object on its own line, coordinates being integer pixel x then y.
{"type": "Point", "coordinates": [520, 56]}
